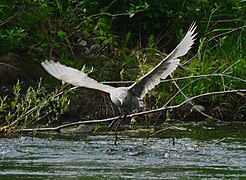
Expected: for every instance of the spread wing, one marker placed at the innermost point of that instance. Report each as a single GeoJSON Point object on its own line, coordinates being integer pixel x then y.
{"type": "Point", "coordinates": [165, 67]}
{"type": "Point", "coordinates": [73, 76]}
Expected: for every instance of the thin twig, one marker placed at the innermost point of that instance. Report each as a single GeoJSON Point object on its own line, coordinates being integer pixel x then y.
{"type": "Point", "coordinates": [192, 103]}
{"type": "Point", "coordinates": [219, 141]}
{"type": "Point", "coordinates": [186, 101]}
{"type": "Point", "coordinates": [182, 78]}
{"type": "Point", "coordinates": [167, 128]}
{"type": "Point", "coordinates": [9, 19]}
{"type": "Point", "coordinates": [204, 76]}
{"type": "Point", "coordinates": [231, 66]}
{"type": "Point", "coordinates": [8, 65]}
{"type": "Point", "coordinates": [228, 32]}
{"type": "Point", "coordinates": [99, 15]}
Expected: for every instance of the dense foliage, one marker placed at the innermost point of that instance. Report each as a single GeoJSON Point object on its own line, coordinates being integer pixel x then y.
{"type": "Point", "coordinates": [56, 28]}
{"type": "Point", "coordinates": [120, 39]}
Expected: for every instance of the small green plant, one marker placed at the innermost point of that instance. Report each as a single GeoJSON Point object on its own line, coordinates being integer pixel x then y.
{"type": "Point", "coordinates": [11, 38]}
{"type": "Point", "coordinates": [25, 109]}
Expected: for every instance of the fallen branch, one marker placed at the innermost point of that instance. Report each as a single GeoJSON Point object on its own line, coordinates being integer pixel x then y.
{"type": "Point", "coordinates": [132, 115]}
{"type": "Point", "coordinates": [58, 128]}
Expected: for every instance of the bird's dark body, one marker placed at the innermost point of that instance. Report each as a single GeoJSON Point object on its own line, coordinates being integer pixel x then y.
{"type": "Point", "coordinates": [125, 100]}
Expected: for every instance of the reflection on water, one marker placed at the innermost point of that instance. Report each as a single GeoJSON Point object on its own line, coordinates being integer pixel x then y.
{"type": "Point", "coordinates": [203, 154]}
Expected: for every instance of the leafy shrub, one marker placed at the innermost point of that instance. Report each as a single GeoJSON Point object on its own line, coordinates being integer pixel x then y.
{"type": "Point", "coordinates": [32, 107]}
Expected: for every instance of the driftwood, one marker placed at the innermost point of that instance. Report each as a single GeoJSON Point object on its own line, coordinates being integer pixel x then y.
{"type": "Point", "coordinates": [188, 100]}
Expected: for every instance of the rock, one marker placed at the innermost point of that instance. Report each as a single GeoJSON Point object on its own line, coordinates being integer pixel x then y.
{"type": "Point", "coordinates": [94, 47]}
{"type": "Point", "coordinates": [87, 51]}
{"type": "Point", "coordinates": [83, 43]}
{"type": "Point", "coordinates": [198, 108]}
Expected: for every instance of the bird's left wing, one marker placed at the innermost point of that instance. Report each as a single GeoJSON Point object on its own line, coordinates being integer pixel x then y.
{"type": "Point", "coordinates": [73, 76]}
{"type": "Point", "coordinates": [165, 67]}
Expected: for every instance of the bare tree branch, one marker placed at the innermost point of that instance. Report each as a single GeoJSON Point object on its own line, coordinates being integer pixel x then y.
{"type": "Point", "coordinates": [183, 78]}
{"type": "Point", "coordinates": [192, 103]}
{"type": "Point", "coordinates": [134, 114]}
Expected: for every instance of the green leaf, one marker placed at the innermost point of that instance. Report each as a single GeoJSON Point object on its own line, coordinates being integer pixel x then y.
{"type": "Point", "coordinates": [223, 29]}
{"type": "Point", "coordinates": [61, 34]}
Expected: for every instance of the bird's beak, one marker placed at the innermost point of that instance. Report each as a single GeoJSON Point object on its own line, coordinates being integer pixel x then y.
{"type": "Point", "coordinates": [121, 102]}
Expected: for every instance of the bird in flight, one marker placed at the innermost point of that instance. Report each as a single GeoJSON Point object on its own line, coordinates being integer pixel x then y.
{"type": "Point", "coordinates": [128, 98]}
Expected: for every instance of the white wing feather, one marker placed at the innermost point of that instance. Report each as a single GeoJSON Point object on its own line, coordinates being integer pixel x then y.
{"type": "Point", "coordinates": [165, 67]}
{"type": "Point", "coordinates": [73, 76]}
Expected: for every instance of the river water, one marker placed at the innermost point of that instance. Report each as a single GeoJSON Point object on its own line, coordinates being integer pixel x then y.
{"type": "Point", "coordinates": [199, 152]}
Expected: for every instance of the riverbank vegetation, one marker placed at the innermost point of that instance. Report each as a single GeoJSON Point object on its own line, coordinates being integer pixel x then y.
{"type": "Point", "coordinates": [116, 42]}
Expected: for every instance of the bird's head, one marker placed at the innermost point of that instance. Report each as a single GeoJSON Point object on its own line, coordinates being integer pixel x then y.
{"type": "Point", "coordinates": [123, 97]}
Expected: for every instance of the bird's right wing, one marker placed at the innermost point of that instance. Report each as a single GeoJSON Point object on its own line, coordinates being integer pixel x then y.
{"type": "Point", "coordinates": [73, 76]}
{"type": "Point", "coordinates": [165, 67]}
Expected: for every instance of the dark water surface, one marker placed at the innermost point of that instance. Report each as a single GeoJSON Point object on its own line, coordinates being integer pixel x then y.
{"type": "Point", "coordinates": [199, 152]}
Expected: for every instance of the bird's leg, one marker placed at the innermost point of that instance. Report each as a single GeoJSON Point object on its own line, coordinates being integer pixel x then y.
{"type": "Point", "coordinates": [117, 126]}
{"type": "Point", "coordinates": [113, 123]}
{"type": "Point", "coordinates": [122, 116]}
{"type": "Point", "coordinates": [116, 136]}
{"type": "Point", "coordinates": [120, 119]}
